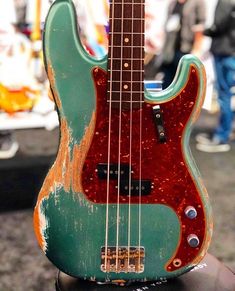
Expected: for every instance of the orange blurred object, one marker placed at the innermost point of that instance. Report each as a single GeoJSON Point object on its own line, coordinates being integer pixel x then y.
{"type": "Point", "coordinates": [14, 100]}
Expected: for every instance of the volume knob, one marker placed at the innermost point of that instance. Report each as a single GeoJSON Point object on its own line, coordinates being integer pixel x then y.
{"type": "Point", "coordinates": [193, 240]}
{"type": "Point", "coordinates": [190, 212]}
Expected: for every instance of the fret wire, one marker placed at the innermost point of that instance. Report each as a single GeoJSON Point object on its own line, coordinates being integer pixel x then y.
{"type": "Point", "coordinates": [128, 59]}
{"type": "Point", "coordinates": [126, 101]}
{"type": "Point", "coordinates": [124, 81]}
{"type": "Point", "coordinates": [117, 48]}
{"type": "Point", "coordinates": [128, 32]}
{"type": "Point", "coordinates": [141, 71]}
{"type": "Point", "coordinates": [129, 19]}
{"type": "Point", "coordinates": [126, 91]}
{"type": "Point", "coordinates": [127, 3]}
{"type": "Point", "coordinates": [127, 46]}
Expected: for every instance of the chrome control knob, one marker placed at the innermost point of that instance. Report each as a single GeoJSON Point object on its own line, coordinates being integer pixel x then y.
{"type": "Point", "coordinates": [193, 240]}
{"type": "Point", "coordinates": [190, 212]}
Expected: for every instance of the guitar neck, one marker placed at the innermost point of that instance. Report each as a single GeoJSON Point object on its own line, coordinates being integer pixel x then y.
{"type": "Point", "coordinates": [126, 51]}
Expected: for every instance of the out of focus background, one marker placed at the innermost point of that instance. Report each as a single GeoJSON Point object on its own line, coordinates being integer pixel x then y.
{"type": "Point", "coordinates": [29, 133]}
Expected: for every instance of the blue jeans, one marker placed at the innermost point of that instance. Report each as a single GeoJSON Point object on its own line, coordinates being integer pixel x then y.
{"type": "Point", "coordinates": [225, 71]}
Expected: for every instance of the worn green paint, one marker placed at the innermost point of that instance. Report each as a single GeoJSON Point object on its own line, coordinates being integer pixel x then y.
{"type": "Point", "coordinates": [76, 233]}
{"type": "Point", "coordinates": [74, 228]}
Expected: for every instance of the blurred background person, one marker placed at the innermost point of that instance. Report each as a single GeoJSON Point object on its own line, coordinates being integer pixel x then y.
{"type": "Point", "coordinates": [8, 146]}
{"type": "Point", "coordinates": [93, 24]}
{"type": "Point", "coordinates": [184, 34]}
{"type": "Point", "coordinates": [223, 50]}
{"type": "Point", "coordinates": [20, 6]}
{"type": "Point", "coordinates": [154, 35]}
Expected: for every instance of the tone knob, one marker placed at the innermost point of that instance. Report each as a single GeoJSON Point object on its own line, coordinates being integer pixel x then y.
{"type": "Point", "coordinates": [193, 240]}
{"type": "Point", "coordinates": [190, 212]}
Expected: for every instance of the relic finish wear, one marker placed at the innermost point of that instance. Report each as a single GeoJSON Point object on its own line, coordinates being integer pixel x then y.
{"type": "Point", "coordinates": [70, 215]}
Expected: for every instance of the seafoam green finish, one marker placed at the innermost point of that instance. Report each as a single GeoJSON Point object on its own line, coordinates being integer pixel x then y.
{"type": "Point", "coordinates": [72, 227]}
{"type": "Point", "coordinates": [77, 232]}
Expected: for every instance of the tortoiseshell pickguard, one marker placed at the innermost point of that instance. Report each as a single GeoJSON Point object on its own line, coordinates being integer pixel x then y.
{"type": "Point", "coordinates": [162, 163]}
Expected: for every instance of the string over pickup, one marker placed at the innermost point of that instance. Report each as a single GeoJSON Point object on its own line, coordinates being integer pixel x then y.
{"type": "Point", "coordinates": [138, 187]}
{"type": "Point", "coordinates": [114, 171]}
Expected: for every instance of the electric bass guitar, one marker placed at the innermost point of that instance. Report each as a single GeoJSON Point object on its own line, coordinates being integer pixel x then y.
{"type": "Point", "coordinates": [124, 200]}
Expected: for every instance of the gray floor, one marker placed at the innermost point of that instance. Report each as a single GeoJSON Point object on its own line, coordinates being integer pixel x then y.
{"type": "Point", "coordinates": [24, 267]}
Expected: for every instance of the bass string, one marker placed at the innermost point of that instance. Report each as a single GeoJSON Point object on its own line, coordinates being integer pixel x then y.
{"type": "Point", "coordinates": [119, 137]}
{"type": "Point", "coordinates": [141, 125]}
{"type": "Point", "coordinates": [119, 140]}
{"type": "Point", "coordinates": [130, 142]}
{"type": "Point", "coordinates": [109, 137]}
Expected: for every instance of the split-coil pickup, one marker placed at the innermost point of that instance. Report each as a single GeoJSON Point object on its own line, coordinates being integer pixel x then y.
{"type": "Point", "coordinates": [135, 187]}
{"type": "Point", "coordinates": [114, 171]}
{"type": "Point", "coordinates": [126, 185]}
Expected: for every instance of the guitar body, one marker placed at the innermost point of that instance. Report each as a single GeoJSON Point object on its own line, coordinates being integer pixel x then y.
{"type": "Point", "coordinates": [79, 221]}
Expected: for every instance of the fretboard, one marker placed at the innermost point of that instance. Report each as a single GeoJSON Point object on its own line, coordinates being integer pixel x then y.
{"type": "Point", "coordinates": [126, 51]}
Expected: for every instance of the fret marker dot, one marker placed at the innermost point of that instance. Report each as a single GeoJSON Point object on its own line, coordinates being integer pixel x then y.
{"type": "Point", "coordinates": [126, 65]}
{"type": "Point", "coordinates": [125, 87]}
{"type": "Point", "coordinates": [126, 39]}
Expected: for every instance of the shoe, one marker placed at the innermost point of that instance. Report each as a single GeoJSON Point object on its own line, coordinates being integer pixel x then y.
{"type": "Point", "coordinates": [8, 147]}
{"type": "Point", "coordinates": [203, 138]}
{"type": "Point", "coordinates": [214, 146]}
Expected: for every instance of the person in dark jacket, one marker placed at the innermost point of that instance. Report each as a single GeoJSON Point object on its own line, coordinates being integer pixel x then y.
{"type": "Point", "coordinates": [223, 50]}
{"type": "Point", "coordinates": [184, 34]}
